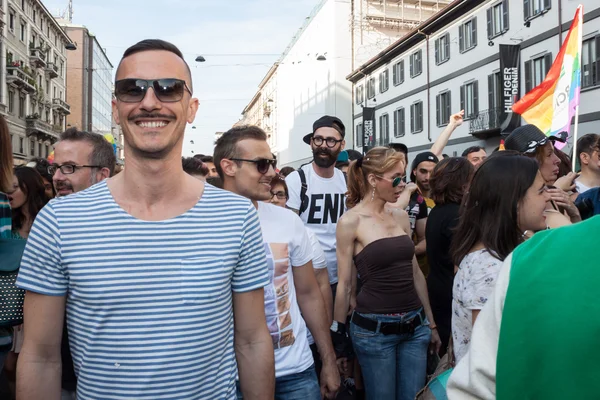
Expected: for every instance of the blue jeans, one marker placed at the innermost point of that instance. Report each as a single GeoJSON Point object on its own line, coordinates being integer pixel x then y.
{"type": "Point", "coordinates": [394, 367]}
{"type": "Point", "coordinates": [301, 386]}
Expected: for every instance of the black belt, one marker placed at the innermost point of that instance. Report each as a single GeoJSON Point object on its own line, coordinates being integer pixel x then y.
{"type": "Point", "coordinates": [389, 328]}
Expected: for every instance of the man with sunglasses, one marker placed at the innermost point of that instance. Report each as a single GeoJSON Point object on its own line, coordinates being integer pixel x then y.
{"type": "Point", "coordinates": [155, 267]}
{"type": "Point", "coordinates": [245, 163]}
{"type": "Point", "coordinates": [81, 159]}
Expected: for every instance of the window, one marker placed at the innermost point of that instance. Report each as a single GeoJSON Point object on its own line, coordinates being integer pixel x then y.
{"type": "Point", "coordinates": [47, 86]}
{"type": "Point", "coordinates": [371, 88]}
{"type": "Point", "coordinates": [444, 108]}
{"type": "Point", "coordinates": [21, 106]}
{"type": "Point", "coordinates": [48, 30]}
{"type": "Point", "coordinates": [54, 92]}
{"type": "Point", "coordinates": [415, 64]}
{"type": "Point", "coordinates": [442, 49]}
{"type": "Point", "coordinates": [384, 81]}
{"type": "Point", "coordinates": [467, 35]}
{"type": "Point", "coordinates": [23, 5]}
{"type": "Point", "coordinates": [359, 135]}
{"type": "Point", "coordinates": [47, 152]}
{"type": "Point", "coordinates": [34, 16]}
{"type": "Point", "coordinates": [22, 32]}
{"type": "Point", "coordinates": [536, 70]}
{"type": "Point", "coordinates": [21, 145]}
{"type": "Point", "coordinates": [384, 129]}
{"type": "Point", "coordinates": [32, 147]}
{"type": "Point", "coordinates": [497, 19]}
{"type": "Point", "coordinates": [533, 8]}
{"type": "Point", "coordinates": [416, 117]}
{"type": "Point", "coordinates": [494, 91]}
{"type": "Point", "coordinates": [590, 62]}
{"type": "Point", "coordinates": [398, 73]}
{"type": "Point", "coordinates": [469, 99]}
{"type": "Point", "coordinates": [39, 149]}
{"type": "Point", "coordinates": [11, 101]}
{"type": "Point", "coordinates": [399, 122]}
{"type": "Point", "coordinates": [62, 64]}
{"type": "Point", "coordinates": [359, 94]}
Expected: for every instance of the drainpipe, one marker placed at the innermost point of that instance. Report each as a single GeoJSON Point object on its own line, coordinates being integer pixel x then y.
{"type": "Point", "coordinates": [560, 24]}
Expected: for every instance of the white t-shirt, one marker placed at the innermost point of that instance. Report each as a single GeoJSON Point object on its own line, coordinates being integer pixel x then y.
{"type": "Point", "coordinates": [318, 262]}
{"type": "Point", "coordinates": [581, 187]}
{"type": "Point", "coordinates": [326, 204]}
{"type": "Point", "coordinates": [287, 245]}
{"type": "Point", "coordinates": [473, 285]}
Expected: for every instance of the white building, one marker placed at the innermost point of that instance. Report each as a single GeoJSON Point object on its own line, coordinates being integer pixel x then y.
{"type": "Point", "coordinates": [452, 61]}
{"type": "Point", "coordinates": [309, 80]}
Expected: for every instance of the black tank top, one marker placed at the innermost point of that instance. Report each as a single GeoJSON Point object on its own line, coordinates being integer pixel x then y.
{"type": "Point", "coordinates": [386, 272]}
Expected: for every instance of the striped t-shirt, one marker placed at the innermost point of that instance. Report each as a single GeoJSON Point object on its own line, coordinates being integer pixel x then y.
{"type": "Point", "coordinates": [149, 304]}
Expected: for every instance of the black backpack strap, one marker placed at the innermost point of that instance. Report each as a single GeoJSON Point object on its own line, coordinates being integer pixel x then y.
{"type": "Point", "coordinates": [303, 189]}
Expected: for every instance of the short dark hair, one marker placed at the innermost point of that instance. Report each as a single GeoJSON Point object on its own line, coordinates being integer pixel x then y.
{"type": "Point", "coordinates": [226, 145]}
{"type": "Point", "coordinates": [450, 180]}
{"type": "Point", "coordinates": [193, 166]}
{"type": "Point", "coordinates": [102, 154]}
{"type": "Point", "coordinates": [488, 213]}
{"type": "Point", "coordinates": [280, 180]}
{"type": "Point", "coordinates": [587, 144]}
{"type": "Point", "coordinates": [155, 44]}
{"type": "Point", "coordinates": [401, 147]}
{"type": "Point", "coordinates": [215, 181]}
{"type": "Point", "coordinates": [472, 149]}
{"type": "Point", "coordinates": [206, 159]}
{"type": "Point", "coordinates": [285, 171]}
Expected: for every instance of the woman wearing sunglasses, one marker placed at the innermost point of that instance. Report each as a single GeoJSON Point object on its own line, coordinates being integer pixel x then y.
{"type": "Point", "coordinates": [392, 325]}
{"type": "Point", "coordinates": [449, 182]}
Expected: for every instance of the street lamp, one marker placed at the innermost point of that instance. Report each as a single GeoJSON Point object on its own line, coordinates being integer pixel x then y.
{"type": "Point", "coordinates": [71, 46]}
{"type": "Point", "coordinates": [321, 57]}
{"type": "Point", "coordinates": [200, 59]}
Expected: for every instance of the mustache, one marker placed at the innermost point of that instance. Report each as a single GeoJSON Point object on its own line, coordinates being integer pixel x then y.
{"type": "Point", "coordinates": [63, 185]}
{"type": "Point", "coordinates": [151, 115]}
{"type": "Point", "coordinates": [322, 151]}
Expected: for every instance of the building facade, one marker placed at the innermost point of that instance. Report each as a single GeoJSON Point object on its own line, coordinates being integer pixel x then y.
{"type": "Point", "coordinates": [451, 62]}
{"type": "Point", "coordinates": [89, 82]}
{"type": "Point", "coordinates": [32, 82]}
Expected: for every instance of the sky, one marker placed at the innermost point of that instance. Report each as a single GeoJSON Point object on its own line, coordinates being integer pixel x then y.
{"type": "Point", "coordinates": [240, 40]}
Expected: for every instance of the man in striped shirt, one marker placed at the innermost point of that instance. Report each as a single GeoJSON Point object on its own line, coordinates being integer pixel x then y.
{"type": "Point", "coordinates": [155, 268]}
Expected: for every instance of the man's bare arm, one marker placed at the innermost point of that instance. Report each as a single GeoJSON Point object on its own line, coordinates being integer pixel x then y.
{"type": "Point", "coordinates": [421, 246]}
{"type": "Point", "coordinates": [253, 346]}
{"type": "Point", "coordinates": [39, 368]}
{"type": "Point", "coordinates": [323, 281]}
{"type": "Point", "coordinates": [455, 121]}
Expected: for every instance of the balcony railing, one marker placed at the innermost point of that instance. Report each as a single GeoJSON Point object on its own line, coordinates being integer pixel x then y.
{"type": "Point", "coordinates": [37, 57]}
{"type": "Point", "coordinates": [52, 70]}
{"type": "Point", "coordinates": [485, 120]}
{"type": "Point", "coordinates": [43, 130]}
{"type": "Point", "coordinates": [61, 106]}
{"type": "Point", "coordinates": [18, 77]}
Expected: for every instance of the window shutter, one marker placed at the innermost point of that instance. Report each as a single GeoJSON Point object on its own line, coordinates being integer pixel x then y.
{"type": "Point", "coordinates": [547, 5]}
{"type": "Point", "coordinates": [597, 60]}
{"type": "Point", "coordinates": [411, 65]}
{"type": "Point", "coordinates": [395, 74]}
{"type": "Point", "coordinates": [527, 9]}
{"type": "Point", "coordinates": [420, 119]}
{"type": "Point", "coordinates": [462, 99]}
{"type": "Point", "coordinates": [476, 97]}
{"type": "Point", "coordinates": [448, 108]}
{"type": "Point", "coordinates": [381, 82]}
{"type": "Point", "coordinates": [447, 45]}
{"type": "Point", "coordinates": [402, 70]}
{"type": "Point", "coordinates": [461, 39]}
{"type": "Point", "coordinates": [491, 99]}
{"type": "Point", "coordinates": [438, 109]}
{"type": "Point", "coordinates": [505, 15]}
{"type": "Point", "coordinates": [396, 123]}
{"type": "Point", "coordinates": [528, 76]}
{"type": "Point", "coordinates": [548, 62]}
{"type": "Point", "coordinates": [412, 118]}
{"type": "Point", "coordinates": [437, 51]}
{"type": "Point", "coordinates": [402, 122]}
{"type": "Point", "coordinates": [490, 28]}
{"type": "Point", "coordinates": [420, 65]}
{"type": "Point", "coordinates": [474, 32]}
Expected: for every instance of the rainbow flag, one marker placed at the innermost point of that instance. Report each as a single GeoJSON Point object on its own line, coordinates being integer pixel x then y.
{"type": "Point", "coordinates": [552, 104]}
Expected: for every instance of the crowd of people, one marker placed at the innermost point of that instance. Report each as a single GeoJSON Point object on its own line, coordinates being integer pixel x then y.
{"type": "Point", "coordinates": [223, 277]}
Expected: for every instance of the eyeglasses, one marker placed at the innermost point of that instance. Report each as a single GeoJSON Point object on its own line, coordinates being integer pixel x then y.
{"type": "Point", "coordinates": [168, 90]}
{"type": "Point", "coordinates": [331, 142]}
{"type": "Point", "coordinates": [396, 181]}
{"type": "Point", "coordinates": [280, 195]}
{"type": "Point", "coordinates": [68, 169]}
{"type": "Point", "coordinates": [262, 164]}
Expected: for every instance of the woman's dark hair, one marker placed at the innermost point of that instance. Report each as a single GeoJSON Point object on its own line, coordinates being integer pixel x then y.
{"type": "Point", "coordinates": [280, 180]}
{"type": "Point", "coordinates": [450, 179]}
{"type": "Point", "coordinates": [565, 162]}
{"type": "Point", "coordinates": [285, 171]}
{"type": "Point", "coordinates": [489, 209]}
{"type": "Point", "coordinates": [32, 186]}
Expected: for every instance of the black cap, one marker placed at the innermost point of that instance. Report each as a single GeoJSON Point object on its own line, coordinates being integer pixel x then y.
{"type": "Point", "coordinates": [326, 121]}
{"type": "Point", "coordinates": [527, 138]}
{"type": "Point", "coordinates": [426, 156]}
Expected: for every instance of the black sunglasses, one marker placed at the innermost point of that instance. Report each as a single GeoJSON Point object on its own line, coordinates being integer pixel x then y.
{"type": "Point", "coordinates": [262, 164]}
{"type": "Point", "coordinates": [168, 90]}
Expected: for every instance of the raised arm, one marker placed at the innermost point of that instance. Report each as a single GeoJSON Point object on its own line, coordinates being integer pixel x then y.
{"type": "Point", "coordinates": [39, 367]}
{"type": "Point", "coordinates": [455, 121]}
